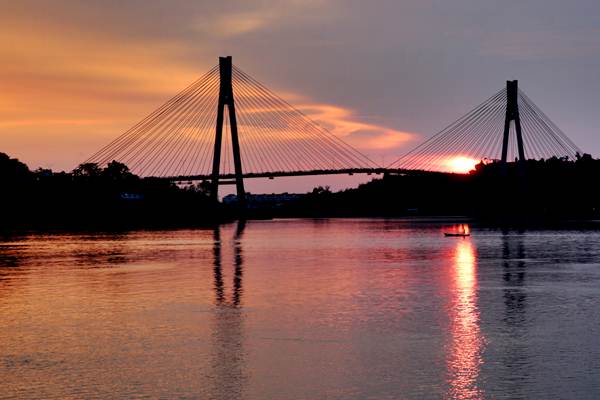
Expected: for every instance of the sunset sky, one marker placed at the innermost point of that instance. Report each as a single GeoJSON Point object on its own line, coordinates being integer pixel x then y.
{"type": "Point", "coordinates": [382, 74]}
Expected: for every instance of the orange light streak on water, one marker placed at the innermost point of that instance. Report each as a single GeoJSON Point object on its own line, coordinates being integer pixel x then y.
{"type": "Point", "coordinates": [465, 353]}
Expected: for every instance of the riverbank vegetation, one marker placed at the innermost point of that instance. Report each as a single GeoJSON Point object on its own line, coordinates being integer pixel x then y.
{"type": "Point", "coordinates": [91, 196]}
{"type": "Point", "coordinates": [531, 191]}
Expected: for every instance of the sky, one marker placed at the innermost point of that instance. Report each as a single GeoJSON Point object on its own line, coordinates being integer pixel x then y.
{"type": "Point", "coordinates": [384, 75]}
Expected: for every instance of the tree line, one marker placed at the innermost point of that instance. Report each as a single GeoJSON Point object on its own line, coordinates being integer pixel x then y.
{"type": "Point", "coordinates": [92, 196]}
{"type": "Point", "coordinates": [532, 191]}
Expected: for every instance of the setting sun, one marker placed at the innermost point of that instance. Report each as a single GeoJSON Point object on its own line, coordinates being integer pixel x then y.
{"type": "Point", "coordinates": [461, 164]}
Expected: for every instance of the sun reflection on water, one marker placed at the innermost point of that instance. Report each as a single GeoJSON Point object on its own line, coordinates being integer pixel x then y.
{"type": "Point", "coordinates": [466, 346]}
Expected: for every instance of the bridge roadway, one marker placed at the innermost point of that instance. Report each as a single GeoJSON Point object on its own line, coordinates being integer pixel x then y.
{"type": "Point", "coordinates": [230, 178]}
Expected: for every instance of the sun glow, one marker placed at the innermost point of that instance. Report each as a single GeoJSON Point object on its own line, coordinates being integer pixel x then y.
{"type": "Point", "coordinates": [461, 164]}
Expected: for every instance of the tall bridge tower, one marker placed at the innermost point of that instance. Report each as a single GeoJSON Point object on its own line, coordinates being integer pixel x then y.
{"type": "Point", "coordinates": [512, 114]}
{"type": "Point", "coordinates": [226, 99]}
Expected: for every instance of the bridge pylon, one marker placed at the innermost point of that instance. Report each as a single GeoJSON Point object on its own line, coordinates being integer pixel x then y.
{"type": "Point", "coordinates": [512, 114]}
{"type": "Point", "coordinates": [226, 99]}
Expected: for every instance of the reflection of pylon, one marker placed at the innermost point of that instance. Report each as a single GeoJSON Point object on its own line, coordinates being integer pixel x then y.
{"type": "Point", "coordinates": [512, 114]}
{"type": "Point", "coordinates": [226, 99]}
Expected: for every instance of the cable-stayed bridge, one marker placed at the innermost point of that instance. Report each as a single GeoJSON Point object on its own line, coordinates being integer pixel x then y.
{"type": "Point", "coordinates": [227, 126]}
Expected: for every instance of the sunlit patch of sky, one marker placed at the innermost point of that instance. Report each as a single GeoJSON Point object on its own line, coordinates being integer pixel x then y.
{"type": "Point", "coordinates": [382, 74]}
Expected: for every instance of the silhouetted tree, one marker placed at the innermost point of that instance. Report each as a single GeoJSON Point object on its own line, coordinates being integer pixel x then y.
{"type": "Point", "coordinates": [116, 171]}
{"type": "Point", "coordinates": [12, 169]}
{"type": "Point", "coordinates": [87, 170]}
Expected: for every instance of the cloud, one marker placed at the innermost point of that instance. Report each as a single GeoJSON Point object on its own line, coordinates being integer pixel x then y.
{"type": "Point", "coordinates": [238, 24]}
{"type": "Point", "coordinates": [338, 120]}
{"type": "Point", "coordinates": [362, 135]}
{"type": "Point", "coordinates": [256, 17]}
{"type": "Point", "coordinates": [48, 122]}
{"type": "Point", "coordinates": [73, 92]}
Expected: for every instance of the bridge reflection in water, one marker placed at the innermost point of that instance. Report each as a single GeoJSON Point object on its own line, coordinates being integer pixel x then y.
{"type": "Point", "coordinates": [228, 361]}
{"type": "Point", "coordinates": [464, 357]}
{"type": "Point", "coordinates": [219, 285]}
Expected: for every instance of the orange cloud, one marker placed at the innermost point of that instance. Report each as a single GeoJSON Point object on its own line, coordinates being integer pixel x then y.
{"type": "Point", "coordinates": [73, 92]}
{"type": "Point", "coordinates": [344, 123]}
{"type": "Point", "coordinates": [259, 17]}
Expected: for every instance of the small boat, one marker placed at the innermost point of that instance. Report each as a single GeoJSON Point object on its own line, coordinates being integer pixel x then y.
{"type": "Point", "coordinates": [462, 232]}
{"type": "Point", "coordinates": [456, 234]}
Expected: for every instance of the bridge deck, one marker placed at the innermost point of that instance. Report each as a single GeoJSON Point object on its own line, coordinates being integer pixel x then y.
{"type": "Point", "coordinates": [270, 175]}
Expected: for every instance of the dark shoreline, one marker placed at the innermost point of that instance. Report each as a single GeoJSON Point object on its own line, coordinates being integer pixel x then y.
{"type": "Point", "coordinates": [555, 193]}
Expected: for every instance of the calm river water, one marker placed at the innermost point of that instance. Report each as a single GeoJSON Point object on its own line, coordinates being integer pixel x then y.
{"type": "Point", "coordinates": [301, 309]}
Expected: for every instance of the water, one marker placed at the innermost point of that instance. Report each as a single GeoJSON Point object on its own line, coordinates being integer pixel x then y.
{"type": "Point", "coordinates": [301, 309]}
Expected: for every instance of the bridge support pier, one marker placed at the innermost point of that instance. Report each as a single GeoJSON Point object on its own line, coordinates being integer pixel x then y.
{"type": "Point", "coordinates": [512, 114]}
{"type": "Point", "coordinates": [226, 99]}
